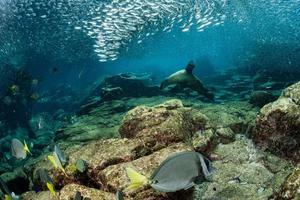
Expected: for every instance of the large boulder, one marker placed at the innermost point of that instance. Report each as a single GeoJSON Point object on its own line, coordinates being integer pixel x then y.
{"type": "Point", "coordinates": [278, 124]}
{"type": "Point", "coordinates": [165, 123]}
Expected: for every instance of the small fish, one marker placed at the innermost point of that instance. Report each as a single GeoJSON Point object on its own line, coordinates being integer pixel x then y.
{"type": "Point", "coordinates": [14, 89]}
{"type": "Point", "coordinates": [35, 96]}
{"type": "Point", "coordinates": [51, 188]}
{"type": "Point", "coordinates": [34, 81]}
{"type": "Point", "coordinates": [78, 196]}
{"type": "Point", "coordinates": [18, 149]}
{"type": "Point", "coordinates": [119, 195]}
{"type": "Point", "coordinates": [56, 162]}
{"type": "Point", "coordinates": [190, 167]}
{"type": "Point", "coordinates": [81, 165]}
{"type": "Point", "coordinates": [46, 180]}
{"type": "Point", "coordinates": [60, 154]}
{"type": "Point", "coordinates": [54, 70]}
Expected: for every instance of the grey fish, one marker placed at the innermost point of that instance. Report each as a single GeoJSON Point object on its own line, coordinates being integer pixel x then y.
{"type": "Point", "coordinates": [119, 195]}
{"type": "Point", "coordinates": [17, 149]}
{"type": "Point", "coordinates": [78, 196]}
{"type": "Point", "coordinates": [181, 171]}
{"type": "Point", "coordinates": [81, 165]}
{"type": "Point", "coordinates": [62, 157]}
{"type": "Point", "coordinates": [44, 176]}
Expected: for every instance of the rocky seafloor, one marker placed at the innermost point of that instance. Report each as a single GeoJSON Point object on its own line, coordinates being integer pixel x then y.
{"type": "Point", "coordinates": [255, 151]}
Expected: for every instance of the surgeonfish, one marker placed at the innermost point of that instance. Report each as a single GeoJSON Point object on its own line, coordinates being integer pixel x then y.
{"type": "Point", "coordinates": [61, 155]}
{"type": "Point", "coordinates": [179, 171]}
{"type": "Point", "coordinates": [78, 196]}
{"type": "Point", "coordinates": [18, 149]}
{"type": "Point", "coordinates": [46, 180]}
{"type": "Point", "coordinates": [119, 195]}
{"type": "Point", "coordinates": [51, 189]}
{"type": "Point", "coordinates": [81, 165]}
{"type": "Point", "coordinates": [56, 162]}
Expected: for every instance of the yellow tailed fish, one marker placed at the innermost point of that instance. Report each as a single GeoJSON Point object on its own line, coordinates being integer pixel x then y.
{"type": "Point", "coordinates": [56, 162]}
{"type": "Point", "coordinates": [52, 160]}
{"type": "Point", "coordinates": [26, 148]}
{"type": "Point", "coordinates": [51, 189]}
{"type": "Point", "coordinates": [136, 179]}
{"type": "Point", "coordinates": [179, 171]}
{"type": "Point", "coordinates": [18, 149]}
{"type": "Point", "coordinates": [7, 197]}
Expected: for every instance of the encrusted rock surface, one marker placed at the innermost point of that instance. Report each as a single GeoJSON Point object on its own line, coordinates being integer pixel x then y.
{"type": "Point", "coordinates": [165, 123]}
{"type": "Point", "coordinates": [278, 125]}
{"type": "Point", "coordinates": [149, 134]}
{"type": "Point", "coordinates": [291, 187]}
{"type": "Point", "coordinates": [243, 172]}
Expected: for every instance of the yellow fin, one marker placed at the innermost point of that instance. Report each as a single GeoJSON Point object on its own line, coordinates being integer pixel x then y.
{"type": "Point", "coordinates": [52, 160]}
{"type": "Point", "coordinates": [136, 179]}
{"type": "Point", "coordinates": [7, 197]}
{"type": "Point", "coordinates": [56, 165]}
{"type": "Point", "coordinates": [26, 148]}
{"type": "Point", "coordinates": [51, 189]}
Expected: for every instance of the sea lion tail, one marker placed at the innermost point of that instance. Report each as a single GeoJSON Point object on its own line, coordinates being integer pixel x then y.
{"type": "Point", "coordinates": [163, 84]}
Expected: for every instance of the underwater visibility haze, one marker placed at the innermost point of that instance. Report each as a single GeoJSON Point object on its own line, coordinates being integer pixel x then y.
{"type": "Point", "coordinates": [150, 99]}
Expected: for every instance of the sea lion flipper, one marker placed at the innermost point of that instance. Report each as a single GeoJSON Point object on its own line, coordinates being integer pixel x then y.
{"type": "Point", "coordinates": [190, 67]}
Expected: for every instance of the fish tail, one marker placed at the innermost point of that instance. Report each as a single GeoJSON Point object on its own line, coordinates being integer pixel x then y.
{"type": "Point", "coordinates": [64, 171]}
{"type": "Point", "coordinates": [137, 180]}
{"type": "Point", "coordinates": [7, 197]}
{"type": "Point", "coordinates": [51, 189]}
{"type": "Point", "coordinates": [26, 148]}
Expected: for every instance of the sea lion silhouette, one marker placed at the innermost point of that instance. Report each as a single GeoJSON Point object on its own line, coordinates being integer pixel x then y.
{"type": "Point", "coordinates": [186, 79]}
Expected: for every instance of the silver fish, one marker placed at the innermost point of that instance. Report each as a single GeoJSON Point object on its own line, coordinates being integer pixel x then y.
{"type": "Point", "coordinates": [180, 171]}
{"type": "Point", "coordinates": [62, 157]}
{"type": "Point", "coordinates": [17, 149]}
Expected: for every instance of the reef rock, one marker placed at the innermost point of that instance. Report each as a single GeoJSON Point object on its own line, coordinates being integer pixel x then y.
{"type": "Point", "coordinates": [278, 124]}
{"type": "Point", "coordinates": [165, 123]}
{"type": "Point", "coordinates": [291, 187]}
{"type": "Point", "coordinates": [68, 192]}
{"type": "Point", "coordinates": [243, 172]}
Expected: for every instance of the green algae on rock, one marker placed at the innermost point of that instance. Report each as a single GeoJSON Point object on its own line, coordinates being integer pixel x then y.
{"type": "Point", "coordinates": [278, 125]}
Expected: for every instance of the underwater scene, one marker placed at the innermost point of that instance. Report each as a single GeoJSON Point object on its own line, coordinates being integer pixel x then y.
{"type": "Point", "coordinates": [150, 99]}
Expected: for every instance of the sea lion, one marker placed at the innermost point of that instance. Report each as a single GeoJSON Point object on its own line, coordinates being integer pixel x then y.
{"type": "Point", "coordinates": [186, 79]}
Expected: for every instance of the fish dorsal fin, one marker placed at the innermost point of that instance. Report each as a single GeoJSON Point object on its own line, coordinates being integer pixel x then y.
{"type": "Point", "coordinates": [190, 67]}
